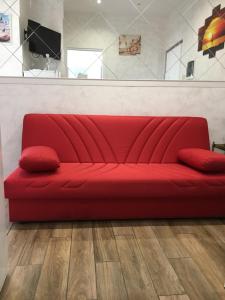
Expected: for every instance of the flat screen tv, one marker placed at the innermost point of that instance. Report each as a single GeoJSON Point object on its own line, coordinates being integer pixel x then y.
{"type": "Point", "coordinates": [43, 40]}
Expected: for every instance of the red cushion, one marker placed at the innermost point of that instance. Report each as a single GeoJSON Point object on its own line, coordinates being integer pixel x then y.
{"type": "Point", "coordinates": [203, 160]}
{"type": "Point", "coordinates": [39, 159]}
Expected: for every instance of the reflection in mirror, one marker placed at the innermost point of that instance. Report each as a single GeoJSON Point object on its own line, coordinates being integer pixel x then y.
{"type": "Point", "coordinates": [84, 63]}
{"type": "Point", "coordinates": [115, 40]}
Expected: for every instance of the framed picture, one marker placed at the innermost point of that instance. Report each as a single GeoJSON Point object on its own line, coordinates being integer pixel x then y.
{"type": "Point", "coordinates": [190, 69]}
{"type": "Point", "coordinates": [129, 44]}
{"type": "Point", "coordinates": [5, 28]}
{"type": "Point", "coordinates": [211, 36]}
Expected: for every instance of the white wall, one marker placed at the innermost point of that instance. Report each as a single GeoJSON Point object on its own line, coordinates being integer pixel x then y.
{"type": "Point", "coordinates": [186, 28]}
{"type": "Point", "coordinates": [21, 96]}
{"type": "Point", "coordinates": [102, 32]}
{"type": "Point", "coordinates": [11, 65]}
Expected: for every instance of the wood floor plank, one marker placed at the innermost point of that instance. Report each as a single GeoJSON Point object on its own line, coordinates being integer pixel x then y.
{"type": "Point", "coordinates": [16, 240]}
{"type": "Point", "coordinates": [27, 249]}
{"type": "Point", "coordinates": [175, 297]}
{"type": "Point", "coordinates": [104, 243]}
{"type": "Point", "coordinates": [122, 228]}
{"type": "Point", "coordinates": [39, 250]}
{"type": "Point", "coordinates": [37, 242]}
{"type": "Point", "coordinates": [216, 228]}
{"type": "Point", "coordinates": [82, 231]}
{"type": "Point", "coordinates": [143, 230]}
{"type": "Point", "coordinates": [82, 277]}
{"type": "Point", "coordinates": [62, 230]}
{"type": "Point", "coordinates": [45, 230]}
{"type": "Point", "coordinates": [221, 296]}
{"type": "Point", "coordinates": [22, 285]}
{"type": "Point", "coordinates": [206, 263]}
{"type": "Point", "coordinates": [185, 226]}
{"type": "Point", "coordinates": [172, 247]}
{"type": "Point", "coordinates": [163, 275]}
{"type": "Point", "coordinates": [137, 279]}
{"type": "Point", "coordinates": [216, 252]}
{"type": "Point", "coordinates": [53, 279]}
{"type": "Point", "coordinates": [110, 282]}
{"type": "Point", "coordinates": [195, 227]}
{"type": "Point", "coordinates": [196, 285]}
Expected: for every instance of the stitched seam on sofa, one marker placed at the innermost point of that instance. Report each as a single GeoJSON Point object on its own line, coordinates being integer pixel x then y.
{"type": "Point", "coordinates": [93, 170]}
{"type": "Point", "coordinates": [149, 137]}
{"type": "Point", "coordinates": [81, 166]}
{"type": "Point", "coordinates": [38, 186]}
{"type": "Point", "coordinates": [177, 173]}
{"type": "Point", "coordinates": [30, 183]}
{"type": "Point", "coordinates": [107, 171]}
{"type": "Point", "coordinates": [85, 170]}
{"type": "Point", "coordinates": [106, 140]}
{"type": "Point", "coordinates": [162, 136]}
{"type": "Point", "coordinates": [85, 146]}
{"type": "Point", "coordinates": [90, 134]}
{"type": "Point", "coordinates": [65, 183]}
{"type": "Point", "coordinates": [79, 171]}
{"type": "Point", "coordinates": [174, 137]}
{"type": "Point", "coordinates": [219, 183]}
{"type": "Point", "coordinates": [136, 138]}
{"type": "Point", "coordinates": [188, 185]}
{"type": "Point", "coordinates": [62, 130]}
{"type": "Point", "coordinates": [196, 180]}
{"type": "Point", "coordinates": [73, 186]}
{"type": "Point", "coordinates": [203, 180]}
{"type": "Point", "coordinates": [191, 184]}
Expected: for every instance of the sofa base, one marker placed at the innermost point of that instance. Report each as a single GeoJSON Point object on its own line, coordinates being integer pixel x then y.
{"type": "Point", "coordinates": [21, 210]}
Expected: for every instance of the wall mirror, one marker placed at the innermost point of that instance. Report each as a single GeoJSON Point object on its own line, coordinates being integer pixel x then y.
{"type": "Point", "coordinates": [114, 40]}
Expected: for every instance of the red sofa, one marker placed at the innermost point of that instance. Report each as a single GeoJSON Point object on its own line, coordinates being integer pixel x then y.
{"type": "Point", "coordinates": [115, 167]}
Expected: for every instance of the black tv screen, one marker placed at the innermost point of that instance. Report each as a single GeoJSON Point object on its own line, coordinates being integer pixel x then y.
{"type": "Point", "coordinates": [43, 40]}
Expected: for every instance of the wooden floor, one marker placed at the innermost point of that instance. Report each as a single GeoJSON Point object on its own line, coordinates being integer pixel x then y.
{"type": "Point", "coordinates": [138, 260]}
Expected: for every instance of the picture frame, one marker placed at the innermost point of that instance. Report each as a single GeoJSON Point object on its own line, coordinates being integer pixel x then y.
{"type": "Point", "coordinates": [5, 28]}
{"type": "Point", "coordinates": [211, 36]}
{"type": "Point", "coordinates": [129, 44]}
{"type": "Point", "coordinates": [190, 69]}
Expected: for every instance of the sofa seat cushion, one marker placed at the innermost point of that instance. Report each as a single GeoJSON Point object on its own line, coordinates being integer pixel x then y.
{"type": "Point", "coordinates": [115, 181]}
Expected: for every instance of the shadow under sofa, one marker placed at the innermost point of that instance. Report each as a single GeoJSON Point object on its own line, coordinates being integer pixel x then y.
{"type": "Point", "coordinates": [115, 167]}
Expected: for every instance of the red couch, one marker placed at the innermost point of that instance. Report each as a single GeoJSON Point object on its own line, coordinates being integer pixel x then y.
{"type": "Point", "coordinates": [115, 167]}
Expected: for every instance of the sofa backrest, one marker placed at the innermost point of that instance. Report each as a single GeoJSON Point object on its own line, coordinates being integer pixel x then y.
{"type": "Point", "coordinates": [115, 139]}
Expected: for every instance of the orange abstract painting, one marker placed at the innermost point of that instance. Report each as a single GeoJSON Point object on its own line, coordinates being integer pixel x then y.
{"type": "Point", "coordinates": [211, 36]}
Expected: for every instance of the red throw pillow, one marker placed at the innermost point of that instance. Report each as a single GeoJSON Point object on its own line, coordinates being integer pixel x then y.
{"type": "Point", "coordinates": [203, 160]}
{"type": "Point", "coordinates": [39, 159]}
